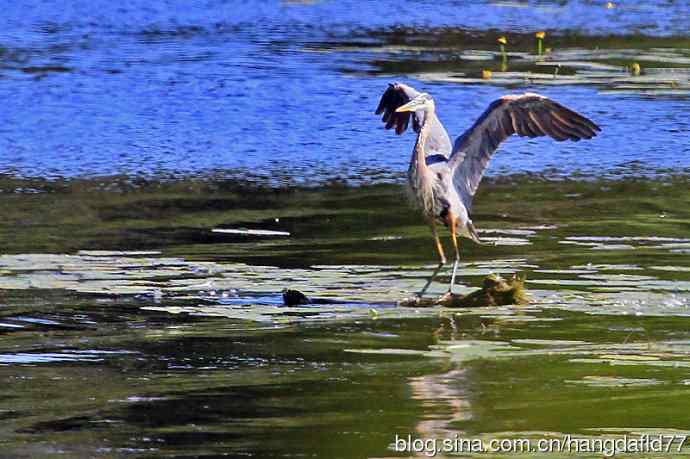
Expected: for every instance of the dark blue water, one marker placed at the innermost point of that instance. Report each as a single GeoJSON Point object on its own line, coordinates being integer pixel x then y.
{"type": "Point", "coordinates": [235, 89]}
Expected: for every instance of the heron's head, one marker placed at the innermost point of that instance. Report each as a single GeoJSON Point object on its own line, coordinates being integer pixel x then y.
{"type": "Point", "coordinates": [423, 101]}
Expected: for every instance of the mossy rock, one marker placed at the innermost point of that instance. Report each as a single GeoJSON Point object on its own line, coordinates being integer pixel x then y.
{"type": "Point", "coordinates": [495, 291]}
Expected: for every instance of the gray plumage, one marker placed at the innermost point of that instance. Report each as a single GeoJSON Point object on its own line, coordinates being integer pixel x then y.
{"type": "Point", "coordinates": [444, 177]}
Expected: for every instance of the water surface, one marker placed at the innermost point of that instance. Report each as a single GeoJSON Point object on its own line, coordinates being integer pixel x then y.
{"type": "Point", "coordinates": [284, 92]}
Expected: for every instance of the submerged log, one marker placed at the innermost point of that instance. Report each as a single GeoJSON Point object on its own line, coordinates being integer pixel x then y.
{"type": "Point", "coordinates": [495, 291]}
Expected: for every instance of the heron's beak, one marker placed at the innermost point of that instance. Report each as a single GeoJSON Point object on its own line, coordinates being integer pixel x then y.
{"type": "Point", "coordinates": [411, 106]}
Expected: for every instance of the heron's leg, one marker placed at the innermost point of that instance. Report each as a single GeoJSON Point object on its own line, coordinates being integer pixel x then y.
{"type": "Point", "coordinates": [441, 254]}
{"type": "Point", "coordinates": [454, 237]}
{"type": "Point", "coordinates": [431, 279]}
{"type": "Point", "coordinates": [439, 246]}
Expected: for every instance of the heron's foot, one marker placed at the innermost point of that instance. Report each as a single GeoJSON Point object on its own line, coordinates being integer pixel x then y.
{"type": "Point", "coordinates": [413, 301]}
{"type": "Point", "coordinates": [416, 298]}
{"type": "Point", "coordinates": [449, 299]}
{"type": "Point", "coordinates": [446, 297]}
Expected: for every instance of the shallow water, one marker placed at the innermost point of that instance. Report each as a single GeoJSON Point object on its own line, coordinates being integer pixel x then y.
{"type": "Point", "coordinates": [180, 347]}
{"type": "Point", "coordinates": [167, 169]}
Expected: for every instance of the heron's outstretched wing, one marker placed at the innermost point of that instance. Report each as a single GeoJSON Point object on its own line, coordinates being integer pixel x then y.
{"type": "Point", "coordinates": [527, 115]}
{"type": "Point", "coordinates": [399, 94]}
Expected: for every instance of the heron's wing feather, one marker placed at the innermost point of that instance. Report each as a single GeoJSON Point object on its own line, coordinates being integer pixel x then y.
{"type": "Point", "coordinates": [399, 94]}
{"type": "Point", "coordinates": [527, 115]}
{"type": "Point", "coordinates": [395, 96]}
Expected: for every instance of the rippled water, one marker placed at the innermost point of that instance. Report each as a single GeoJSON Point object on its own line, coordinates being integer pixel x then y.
{"type": "Point", "coordinates": [149, 160]}
{"type": "Point", "coordinates": [267, 91]}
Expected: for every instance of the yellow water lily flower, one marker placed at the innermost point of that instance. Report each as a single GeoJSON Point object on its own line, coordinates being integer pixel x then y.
{"type": "Point", "coordinates": [635, 69]}
{"type": "Point", "coordinates": [540, 39]}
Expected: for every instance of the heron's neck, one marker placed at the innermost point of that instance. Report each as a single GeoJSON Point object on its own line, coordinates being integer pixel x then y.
{"type": "Point", "coordinates": [419, 173]}
{"type": "Point", "coordinates": [419, 153]}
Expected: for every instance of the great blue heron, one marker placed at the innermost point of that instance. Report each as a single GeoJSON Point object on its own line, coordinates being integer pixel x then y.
{"type": "Point", "coordinates": [444, 177]}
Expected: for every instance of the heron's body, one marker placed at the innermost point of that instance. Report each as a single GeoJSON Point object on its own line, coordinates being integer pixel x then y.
{"type": "Point", "coordinates": [444, 177]}
{"type": "Point", "coordinates": [430, 181]}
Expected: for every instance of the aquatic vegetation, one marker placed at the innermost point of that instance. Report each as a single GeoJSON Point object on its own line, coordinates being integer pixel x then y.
{"type": "Point", "coordinates": [540, 42]}
{"type": "Point", "coordinates": [635, 69]}
{"type": "Point", "coordinates": [607, 62]}
{"type": "Point", "coordinates": [502, 42]}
